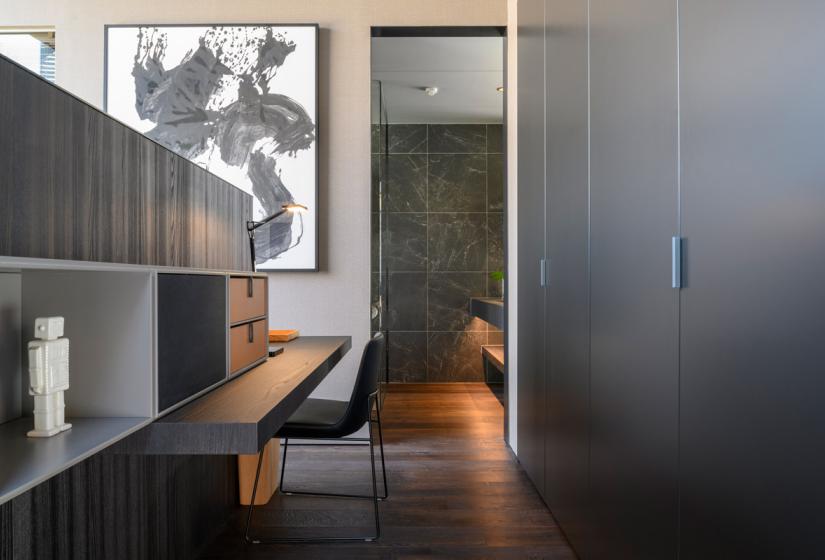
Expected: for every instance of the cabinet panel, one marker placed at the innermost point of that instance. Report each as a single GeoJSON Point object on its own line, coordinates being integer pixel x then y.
{"type": "Point", "coordinates": [634, 310]}
{"type": "Point", "coordinates": [248, 343]}
{"type": "Point", "coordinates": [191, 335]}
{"type": "Point", "coordinates": [752, 384]}
{"type": "Point", "coordinates": [531, 239]}
{"type": "Point", "coordinates": [567, 437]}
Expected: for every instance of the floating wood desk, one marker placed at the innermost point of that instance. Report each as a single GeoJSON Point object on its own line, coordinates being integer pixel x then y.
{"type": "Point", "coordinates": [239, 417]}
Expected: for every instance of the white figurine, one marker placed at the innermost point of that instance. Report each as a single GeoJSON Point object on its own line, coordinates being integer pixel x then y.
{"type": "Point", "coordinates": [49, 376]}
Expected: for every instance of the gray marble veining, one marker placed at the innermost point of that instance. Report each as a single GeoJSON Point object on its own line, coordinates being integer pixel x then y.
{"type": "Point", "coordinates": [407, 357]}
{"type": "Point", "coordinates": [457, 183]}
{"type": "Point", "coordinates": [457, 138]}
{"type": "Point", "coordinates": [495, 183]}
{"type": "Point", "coordinates": [406, 183]}
{"type": "Point", "coordinates": [405, 242]}
{"type": "Point", "coordinates": [407, 301]}
{"type": "Point", "coordinates": [407, 138]}
{"type": "Point", "coordinates": [443, 233]}
{"type": "Point", "coordinates": [495, 138]}
{"type": "Point", "coordinates": [455, 356]}
{"type": "Point", "coordinates": [495, 242]}
{"type": "Point", "coordinates": [457, 242]}
{"type": "Point", "coordinates": [448, 296]}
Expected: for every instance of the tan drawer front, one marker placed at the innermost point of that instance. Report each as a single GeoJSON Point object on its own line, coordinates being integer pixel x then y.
{"type": "Point", "coordinates": [242, 305]}
{"type": "Point", "coordinates": [242, 351]}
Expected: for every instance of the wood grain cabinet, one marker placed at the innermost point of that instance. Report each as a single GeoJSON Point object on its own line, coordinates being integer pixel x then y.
{"type": "Point", "coordinates": [669, 275]}
{"type": "Point", "coordinates": [248, 303]}
{"type": "Point", "coordinates": [247, 298]}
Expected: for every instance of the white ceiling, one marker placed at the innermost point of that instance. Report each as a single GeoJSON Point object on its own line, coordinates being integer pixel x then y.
{"type": "Point", "coordinates": [466, 71]}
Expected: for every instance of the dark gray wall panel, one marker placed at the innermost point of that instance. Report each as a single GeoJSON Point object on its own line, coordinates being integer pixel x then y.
{"type": "Point", "coordinates": [567, 447]}
{"type": "Point", "coordinates": [191, 315]}
{"type": "Point", "coordinates": [531, 240]}
{"type": "Point", "coordinates": [634, 310]}
{"type": "Point", "coordinates": [752, 384]}
{"type": "Point", "coordinates": [77, 184]}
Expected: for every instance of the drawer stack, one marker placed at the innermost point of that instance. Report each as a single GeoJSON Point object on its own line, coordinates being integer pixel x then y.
{"type": "Point", "coordinates": [248, 345]}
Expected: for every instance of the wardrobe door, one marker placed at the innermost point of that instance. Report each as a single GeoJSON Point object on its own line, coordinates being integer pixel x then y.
{"type": "Point", "coordinates": [567, 438]}
{"type": "Point", "coordinates": [531, 238]}
{"type": "Point", "coordinates": [753, 310]}
{"type": "Point", "coordinates": [634, 309]}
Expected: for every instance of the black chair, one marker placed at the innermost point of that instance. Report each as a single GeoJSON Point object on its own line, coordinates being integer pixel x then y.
{"type": "Point", "coordinates": [335, 420]}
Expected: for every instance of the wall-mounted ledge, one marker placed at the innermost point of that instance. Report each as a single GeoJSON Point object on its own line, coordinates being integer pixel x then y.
{"type": "Point", "coordinates": [242, 415]}
{"type": "Point", "coordinates": [29, 461]}
{"type": "Point", "coordinates": [488, 309]}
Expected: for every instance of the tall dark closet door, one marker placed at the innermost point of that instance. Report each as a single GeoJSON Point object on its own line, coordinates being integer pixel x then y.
{"type": "Point", "coordinates": [531, 239]}
{"type": "Point", "coordinates": [753, 322]}
{"type": "Point", "coordinates": [634, 309]}
{"type": "Point", "coordinates": [567, 438]}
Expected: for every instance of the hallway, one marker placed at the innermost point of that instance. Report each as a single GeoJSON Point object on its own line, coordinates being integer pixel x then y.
{"type": "Point", "coordinates": [456, 490]}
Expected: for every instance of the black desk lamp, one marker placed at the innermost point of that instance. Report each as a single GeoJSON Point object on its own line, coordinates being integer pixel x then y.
{"type": "Point", "coordinates": [251, 226]}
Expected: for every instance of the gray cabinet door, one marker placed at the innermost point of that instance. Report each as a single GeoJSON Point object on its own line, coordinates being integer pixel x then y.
{"type": "Point", "coordinates": [634, 309]}
{"type": "Point", "coordinates": [531, 239]}
{"type": "Point", "coordinates": [567, 438]}
{"type": "Point", "coordinates": [753, 310]}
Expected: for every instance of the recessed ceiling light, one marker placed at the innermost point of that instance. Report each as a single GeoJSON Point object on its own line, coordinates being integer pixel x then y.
{"type": "Point", "coordinates": [431, 90]}
{"type": "Point", "coordinates": [500, 89]}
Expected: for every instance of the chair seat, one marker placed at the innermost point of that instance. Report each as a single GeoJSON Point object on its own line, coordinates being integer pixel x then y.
{"type": "Point", "coordinates": [317, 418]}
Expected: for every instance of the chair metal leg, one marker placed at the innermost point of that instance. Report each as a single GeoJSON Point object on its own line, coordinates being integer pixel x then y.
{"type": "Point", "coordinates": [375, 497]}
{"type": "Point", "coordinates": [381, 445]}
{"type": "Point", "coordinates": [283, 490]}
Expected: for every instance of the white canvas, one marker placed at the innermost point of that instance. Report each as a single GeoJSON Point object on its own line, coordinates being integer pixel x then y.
{"type": "Point", "coordinates": [161, 81]}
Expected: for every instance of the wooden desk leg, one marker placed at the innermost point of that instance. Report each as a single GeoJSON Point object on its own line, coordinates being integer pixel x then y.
{"type": "Point", "coordinates": [247, 464]}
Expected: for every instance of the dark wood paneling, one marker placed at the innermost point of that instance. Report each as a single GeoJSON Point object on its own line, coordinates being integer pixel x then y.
{"type": "Point", "coordinates": [77, 184]}
{"type": "Point", "coordinates": [117, 506]}
{"type": "Point", "coordinates": [567, 450]}
{"type": "Point", "coordinates": [752, 330]}
{"type": "Point", "coordinates": [531, 241]}
{"type": "Point", "coordinates": [634, 309]}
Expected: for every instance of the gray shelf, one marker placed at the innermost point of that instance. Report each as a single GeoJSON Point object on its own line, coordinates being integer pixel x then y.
{"type": "Point", "coordinates": [488, 309]}
{"type": "Point", "coordinates": [29, 461]}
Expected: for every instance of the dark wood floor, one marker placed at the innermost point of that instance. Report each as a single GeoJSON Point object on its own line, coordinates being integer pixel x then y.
{"type": "Point", "coordinates": [456, 491]}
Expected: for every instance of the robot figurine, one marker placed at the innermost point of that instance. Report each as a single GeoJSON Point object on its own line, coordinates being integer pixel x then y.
{"type": "Point", "coordinates": [49, 376]}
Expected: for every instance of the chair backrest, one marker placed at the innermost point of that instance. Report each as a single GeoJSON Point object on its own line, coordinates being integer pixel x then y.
{"type": "Point", "coordinates": [366, 384]}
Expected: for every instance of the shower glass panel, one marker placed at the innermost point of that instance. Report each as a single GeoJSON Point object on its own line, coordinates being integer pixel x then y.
{"type": "Point", "coordinates": [379, 165]}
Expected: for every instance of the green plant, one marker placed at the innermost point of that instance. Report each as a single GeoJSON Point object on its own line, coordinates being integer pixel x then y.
{"type": "Point", "coordinates": [497, 275]}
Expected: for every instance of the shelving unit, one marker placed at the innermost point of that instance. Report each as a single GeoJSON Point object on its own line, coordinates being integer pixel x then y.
{"type": "Point", "coordinates": [112, 317]}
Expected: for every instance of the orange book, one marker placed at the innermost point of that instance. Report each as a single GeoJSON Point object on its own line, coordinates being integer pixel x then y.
{"type": "Point", "coordinates": [283, 335]}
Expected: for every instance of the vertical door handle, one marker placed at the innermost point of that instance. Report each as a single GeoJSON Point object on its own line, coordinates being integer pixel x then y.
{"type": "Point", "coordinates": [676, 262]}
{"type": "Point", "coordinates": [544, 273]}
{"type": "Point", "coordinates": [250, 289]}
{"type": "Point", "coordinates": [251, 333]}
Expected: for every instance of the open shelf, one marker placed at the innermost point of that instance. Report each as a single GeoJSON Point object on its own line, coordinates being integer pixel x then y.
{"type": "Point", "coordinates": [29, 461]}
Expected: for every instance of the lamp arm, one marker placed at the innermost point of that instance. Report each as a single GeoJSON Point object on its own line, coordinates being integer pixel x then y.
{"type": "Point", "coordinates": [252, 225]}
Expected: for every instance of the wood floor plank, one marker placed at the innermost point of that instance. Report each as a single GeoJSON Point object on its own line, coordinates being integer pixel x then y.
{"type": "Point", "coordinates": [456, 490]}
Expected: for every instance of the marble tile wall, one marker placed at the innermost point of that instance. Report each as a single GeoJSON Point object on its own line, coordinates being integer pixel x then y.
{"type": "Point", "coordinates": [443, 233]}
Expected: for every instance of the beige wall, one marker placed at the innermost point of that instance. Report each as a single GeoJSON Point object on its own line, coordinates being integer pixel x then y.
{"type": "Point", "coordinates": [335, 300]}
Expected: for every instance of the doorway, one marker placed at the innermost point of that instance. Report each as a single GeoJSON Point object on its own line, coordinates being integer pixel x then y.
{"type": "Point", "coordinates": [439, 201]}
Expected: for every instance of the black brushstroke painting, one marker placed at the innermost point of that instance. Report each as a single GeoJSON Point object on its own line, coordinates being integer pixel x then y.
{"type": "Point", "coordinates": [218, 98]}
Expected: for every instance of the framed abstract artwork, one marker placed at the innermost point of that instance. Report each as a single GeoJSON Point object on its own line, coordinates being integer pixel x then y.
{"type": "Point", "coordinates": [239, 100]}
